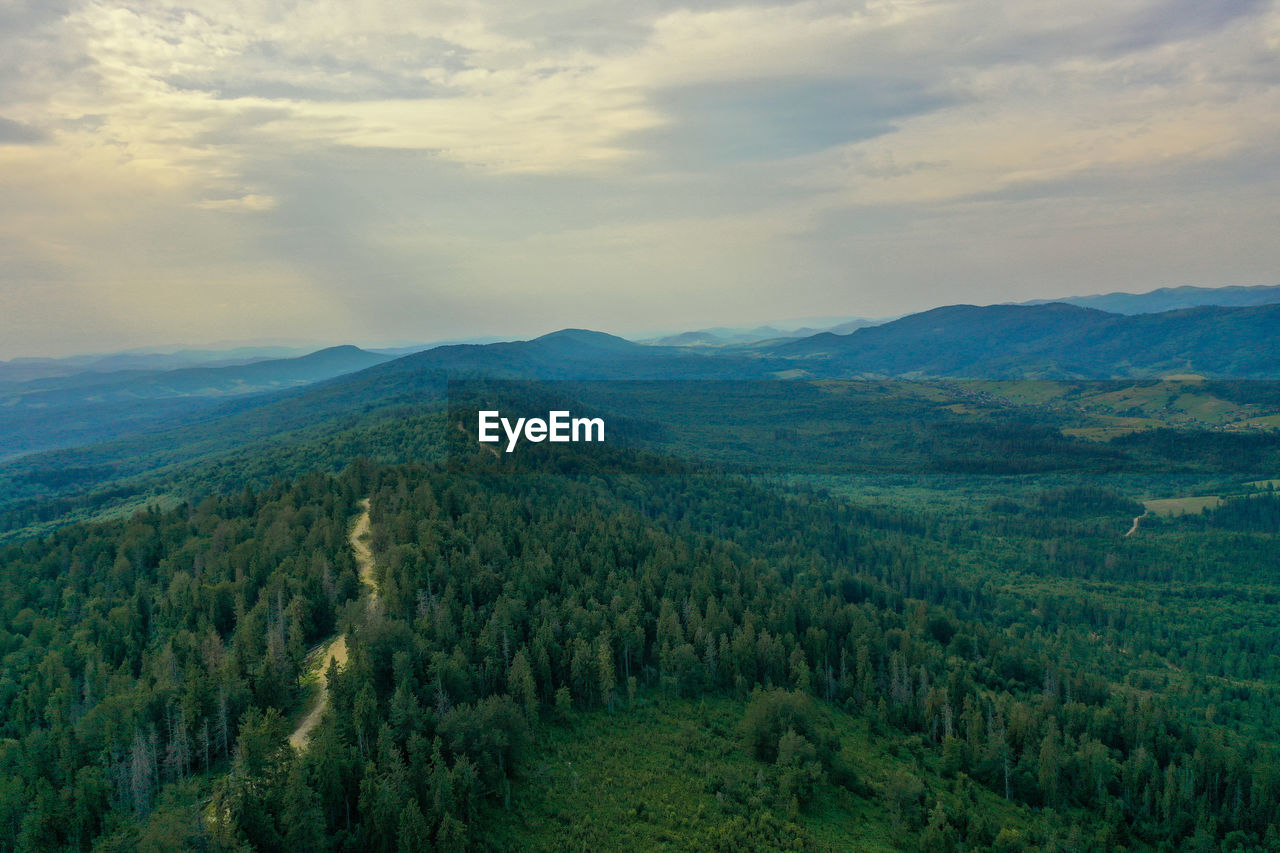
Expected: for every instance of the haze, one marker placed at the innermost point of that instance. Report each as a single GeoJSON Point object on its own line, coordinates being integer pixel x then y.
{"type": "Point", "coordinates": [240, 170]}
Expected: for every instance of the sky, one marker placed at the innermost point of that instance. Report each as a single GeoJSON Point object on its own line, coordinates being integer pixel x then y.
{"type": "Point", "coordinates": [385, 171]}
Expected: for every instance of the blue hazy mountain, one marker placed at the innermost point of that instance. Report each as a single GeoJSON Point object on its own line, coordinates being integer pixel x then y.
{"type": "Point", "coordinates": [1054, 340]}
{"type": "Point", "coordinates": [64, 411]}
{"type": "Point", "coordinates": [24, 369]}
{"type": "Point", "coordinates": [731, 336]}
{"type": "Point", "coordinates": [132, 434]}
{"type": "Point", "coordinates": [1173, 299]}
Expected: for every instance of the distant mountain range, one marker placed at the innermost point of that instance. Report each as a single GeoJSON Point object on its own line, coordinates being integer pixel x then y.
{"type": "Point", "coordinates": [1172, 299]}
{"type": "Point", "coordinates": [1156, 301]}
{"type": "Point", "coordinates": [28, 368]}
{"type": "Point", "coordinates": [218, 406]}
{"type": "Point", "coordinates": [25, 369]}
{"type": "Point", "coordinates": [1053, 340]}
{"type": "Point", "coordinates": [723, 336]}
{"type": "Point", "coordinates": [63, 411]}
{"type": "Point", "coordinates": [121, 428]}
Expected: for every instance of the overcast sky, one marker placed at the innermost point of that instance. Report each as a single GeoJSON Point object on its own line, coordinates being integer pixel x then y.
{"type": "Point", "coordinates": [240, 170]}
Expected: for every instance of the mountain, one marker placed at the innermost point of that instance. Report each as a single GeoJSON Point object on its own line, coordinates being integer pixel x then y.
{"type": "Point", "coordinates": [722, 336]}
{"type": "Point", "coordinates": [943, 341]}
{"type": "Point", "coordinates": [188, 381]}
{"type": "Point", "coordinates": [1173, 299]}
{"type": "Point", "coordinates": [129, 438]}
{"type": "Point", "coordinates": [160, 433]}
{"type": "Point", "coordinates": [398, 351]}
{"type": "Point", "coordinates": [568, 341]}
{"type": "Point", "coordinates": [63, 411]}
{"type": "Point", "coordinates": [25, 369]}
{"type": "Point", "coordinates": [601, 647]}
{"type": "Point", "coordinates": [844, 328]}
{"type": "Point", "coordinates": [1054, 340]}
{"type": "Point", "coordinates": [704, 337]}
{"type": "Point", "coordinates": [568, 354]}
{"type": "Point", "coordinates": [600, 583]}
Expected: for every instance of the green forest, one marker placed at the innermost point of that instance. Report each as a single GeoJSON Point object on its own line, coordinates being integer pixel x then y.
{"type": "Point", "coordinates": [651, 427]}
{"type": "Point", "coordinates": [613, 648]}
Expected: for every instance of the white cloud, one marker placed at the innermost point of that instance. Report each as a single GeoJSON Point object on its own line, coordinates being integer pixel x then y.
{"type": "Point", "coordinates": [146, 123]}
{"type": "Point", "coordinates": [165, 83]}
{"type": "Point", "coordinates": [248, 202]}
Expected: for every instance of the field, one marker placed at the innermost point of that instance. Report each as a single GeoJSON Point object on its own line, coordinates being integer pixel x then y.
{"type": "Point", "coordinates": [1172, 507]}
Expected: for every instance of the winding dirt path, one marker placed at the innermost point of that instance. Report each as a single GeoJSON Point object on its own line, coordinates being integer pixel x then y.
{"type": "Point", "coordinates": [335, 648]}
{"type": "Point", "coordinates": [1134, 529]}
{"type": "Point", "coordinates": [364, 555]}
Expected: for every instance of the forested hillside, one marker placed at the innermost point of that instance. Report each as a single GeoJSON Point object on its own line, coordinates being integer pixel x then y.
{"type": "Point", "coordinates": [1050, 341]}
{"type": "Point", "coordinates": [942, 427]}
{"type": "Point", "coordinates": [1024, 678]}
{"type": "Point", "coordinates": [92, 406]}
{"type": "Point", "coordinates": [1174, 298]}
{"type": "Point", "coordinates": [129, 425]}
{"type": "Point", "coordinates": [498, 427]}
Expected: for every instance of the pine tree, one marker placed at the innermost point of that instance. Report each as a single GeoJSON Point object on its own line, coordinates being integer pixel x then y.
{"type": "Point", "coordinates": [607, 675]}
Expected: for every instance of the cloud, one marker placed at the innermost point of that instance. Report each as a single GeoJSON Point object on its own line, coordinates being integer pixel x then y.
{"type": "Point", "coordinates": [248, 202]}
{"type": "Point", "coordinates": [404, 164]}
{"type": "Point", "coordinates": [17, 133]}
{"type": "Point", "coordinates": [777, 119]}
{"type": "Point", "coordinates": [172, 85]}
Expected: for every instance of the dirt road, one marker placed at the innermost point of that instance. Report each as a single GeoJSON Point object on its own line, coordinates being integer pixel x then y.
{"type": "Point", "coordinates": [1134, 528]}
{"type": "Point", "coordinates": [335, 648]}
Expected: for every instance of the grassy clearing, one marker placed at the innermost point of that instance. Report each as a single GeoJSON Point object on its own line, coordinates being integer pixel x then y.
{"type": "Point", "coordinates": [1262, 422]}
{"type": "Point", "coordinates": [1178, 400]}
{"type": "Point", "coordinates": [675, 775]}
{"type": "Point", "coordinates": [1110, 427]}
{"type": "Point", "coordinates": [1172, 507]}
